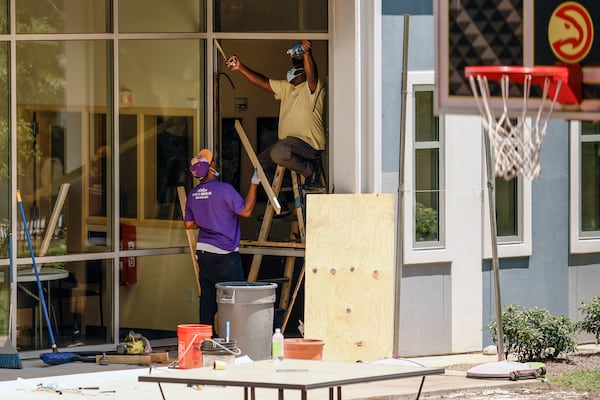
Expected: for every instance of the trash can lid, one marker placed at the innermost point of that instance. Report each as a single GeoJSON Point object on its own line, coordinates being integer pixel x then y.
{"type": "Point", "coordinates": [261, 285]}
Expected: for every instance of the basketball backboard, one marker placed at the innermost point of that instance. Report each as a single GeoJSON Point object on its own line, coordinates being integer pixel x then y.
{"type": "Point", "coordinates": [525, 33]}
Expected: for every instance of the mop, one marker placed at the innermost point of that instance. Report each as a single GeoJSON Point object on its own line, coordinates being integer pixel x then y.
{"type": "Point", "coordinates": [9, 356]}
{"type": "Point", "coordinates": [55, 357]}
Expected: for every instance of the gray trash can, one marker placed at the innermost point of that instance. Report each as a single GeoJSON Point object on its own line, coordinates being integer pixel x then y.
{"type": "Point", "coordinates": [248, 306]}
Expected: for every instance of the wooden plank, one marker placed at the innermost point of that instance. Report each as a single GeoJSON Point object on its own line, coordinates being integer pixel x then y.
{"type": "Point", "coordinates": [349, 283]}
{"type": "Point", "coordinates": [264, 243]}
{"type": "Point", "coordinates": [58, 206]}
{"type": "Point", "coordinates": [254, 160]}
{"type": "Point", "coordinates": [191, 237]}
{"type": "Point", "coordinates": [145, 359]}
{"type": "Point", "coordinates": [272, 251]}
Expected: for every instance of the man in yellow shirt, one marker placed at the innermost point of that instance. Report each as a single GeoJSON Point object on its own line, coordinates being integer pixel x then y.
{"type": "Point", "coordinates": [301, 130]}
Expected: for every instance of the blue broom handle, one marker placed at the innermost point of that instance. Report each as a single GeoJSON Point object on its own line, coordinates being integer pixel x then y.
{"type": "Point", "coordinates": [35, 270]}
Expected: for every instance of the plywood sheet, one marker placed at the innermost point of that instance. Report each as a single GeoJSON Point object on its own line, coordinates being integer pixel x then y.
{"type": "Point", "coordinates": [349, 290]}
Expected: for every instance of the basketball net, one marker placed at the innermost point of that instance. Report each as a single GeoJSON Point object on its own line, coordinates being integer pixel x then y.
{"type": "Point", "coordinates": [517, 143]}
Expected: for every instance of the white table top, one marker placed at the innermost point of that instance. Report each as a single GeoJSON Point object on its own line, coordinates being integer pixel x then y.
{"type": "Point", "coordinates": [45, 274]}
{"type": "Point", "coordinates": [290, 374]}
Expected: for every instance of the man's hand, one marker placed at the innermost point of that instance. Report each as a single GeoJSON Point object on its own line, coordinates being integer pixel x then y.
{"type": "Point", "coordinates": [306, 46]}
{"type": "Point", "coordinates": [233, 63]}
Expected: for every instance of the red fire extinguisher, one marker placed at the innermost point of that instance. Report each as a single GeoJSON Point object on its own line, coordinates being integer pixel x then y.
{"type": "Point", "coordinates": [127, 265]}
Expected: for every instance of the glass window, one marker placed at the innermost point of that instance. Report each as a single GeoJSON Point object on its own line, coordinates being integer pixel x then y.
{"type": "Point", "coordinates": [3, 16]}
{"type": "Point", "coordinates": [507, 208]}
{"type": "Point", "coordinates": [63, 148]}
{"type": "Point", "coordinates": [80, 295]}
{"type": "Point", "coordinates": [428, 200]}
{"type": "Point", "coordinates": [271, 16]}
{"type": "Point", "coordinates": [162, 16]}
{"type": "Point", "coordinates": [159, 128]}
{"type": "Point", "coordinates": [5, 200]}
{"type": "Point", "coordinates": [66, 16]}
{"type": "Point", "coordinates": [590, 179]}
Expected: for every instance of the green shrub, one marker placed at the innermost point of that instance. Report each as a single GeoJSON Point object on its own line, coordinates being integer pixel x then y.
{"type": "Point", "coordinates": [534, 334]}
{"type": "Point", "coordinates": [591, 318]}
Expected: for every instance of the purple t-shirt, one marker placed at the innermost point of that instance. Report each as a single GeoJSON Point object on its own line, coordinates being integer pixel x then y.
{"type": "Point", "coordinates": [215, 206]}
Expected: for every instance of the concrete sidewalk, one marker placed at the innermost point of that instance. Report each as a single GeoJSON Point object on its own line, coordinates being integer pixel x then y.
{"type": "Point", "coordinates": [120, 381]}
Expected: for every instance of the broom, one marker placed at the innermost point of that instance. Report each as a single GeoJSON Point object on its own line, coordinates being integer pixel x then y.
{"type": "Point", "coordinates": [54, 358]}
{"type": "Point", "coordinates": [9, 356]}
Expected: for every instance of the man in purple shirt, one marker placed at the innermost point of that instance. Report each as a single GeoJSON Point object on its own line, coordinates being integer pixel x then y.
{"type": "Point", "coordinates": [213, 207]}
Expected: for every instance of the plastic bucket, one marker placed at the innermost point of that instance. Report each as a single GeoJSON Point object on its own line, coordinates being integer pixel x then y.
{"type": "Point", "coordinates": [248, 306]}
{"type": "Point", "coordinates": [189, 338]}
{"type": "Point", "coordinates": [215, 350]}
{"type": "Point", "coordinates": [305, 349]}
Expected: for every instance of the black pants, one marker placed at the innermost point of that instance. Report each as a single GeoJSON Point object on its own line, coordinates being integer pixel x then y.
{"type": "Point", "coordinates": [216, 268]}
{"type": "Point", "coordinates": [292, 153]}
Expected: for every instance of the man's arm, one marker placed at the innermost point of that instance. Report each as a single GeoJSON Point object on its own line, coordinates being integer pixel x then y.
{"type": "Point", "coordinates": [310, 66]}
{"type": "Point", "coordinates": [250, 201]}
{"type": "Point", "coordinates": [256, 78]}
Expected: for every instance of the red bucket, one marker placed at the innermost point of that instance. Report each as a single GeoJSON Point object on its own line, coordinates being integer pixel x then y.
{"type": "Point", "coordinates": [189, 338]}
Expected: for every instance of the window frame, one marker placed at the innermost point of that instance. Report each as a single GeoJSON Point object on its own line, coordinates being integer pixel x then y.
{"type": "Point", "coordinates": [425, 145]}
{"type": "Point", "coordinates": [510, 246]}
{"type": "Point", "coordinates": [580, 242]}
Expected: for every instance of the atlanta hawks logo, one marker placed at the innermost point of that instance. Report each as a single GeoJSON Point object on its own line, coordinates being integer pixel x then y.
{"type": "Point", "coordinates": [570, 32]}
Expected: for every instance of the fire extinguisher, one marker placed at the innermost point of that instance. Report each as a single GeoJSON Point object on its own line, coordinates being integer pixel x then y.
{"type": "Point", "coordinates": [127, 265]}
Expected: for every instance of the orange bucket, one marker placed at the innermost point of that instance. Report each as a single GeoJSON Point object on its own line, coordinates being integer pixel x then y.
{"type": "Point", "coordinates": [305, 349]}
{"type": "Point", "coordinates": [189, 339]}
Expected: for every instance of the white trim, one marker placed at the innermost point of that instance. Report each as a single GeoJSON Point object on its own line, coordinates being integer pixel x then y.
{"type": "Point", "coordinates": [578, 244]}
{"type": "Point", "coordinates": [375, 92]}
{"type": "Point", "coordinates": [439, 251]}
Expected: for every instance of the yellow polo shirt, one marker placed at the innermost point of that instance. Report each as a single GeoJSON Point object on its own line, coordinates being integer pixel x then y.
{"type": "Point", "coordinates": [301, 112]}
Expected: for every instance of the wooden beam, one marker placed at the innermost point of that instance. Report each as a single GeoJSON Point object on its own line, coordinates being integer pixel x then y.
{"type": "Point", "coordinates": [254, 160]}
{"type": "Point", "coordinates": [191, 237]}
{"type": "Point", "coordinates": [58, 206]}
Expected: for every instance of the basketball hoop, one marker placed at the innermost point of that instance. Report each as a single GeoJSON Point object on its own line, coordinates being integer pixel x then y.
{"type": "Point", "coordinates": [517, 144]}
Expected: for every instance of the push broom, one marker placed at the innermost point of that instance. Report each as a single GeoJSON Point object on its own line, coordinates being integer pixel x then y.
{"type": "Point", "coordinates": [55, 357]}
{"type": "Point", "coordinates": [9, 356]}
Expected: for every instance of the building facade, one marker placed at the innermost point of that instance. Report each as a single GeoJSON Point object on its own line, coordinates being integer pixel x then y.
{"type": "Point", "coordinates": [104, 102]}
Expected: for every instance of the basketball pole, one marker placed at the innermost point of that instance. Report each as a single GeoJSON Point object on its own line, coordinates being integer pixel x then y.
{"type": "Point", "coordinates": [502, 368]}
{"type": "Point", "coordinates": [400, 198]}
{"type": "Point", "coordinates": [494, 239]}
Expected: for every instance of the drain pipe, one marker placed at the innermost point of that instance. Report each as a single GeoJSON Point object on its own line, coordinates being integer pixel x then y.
{"type": "Point", "coordinates": [400, 218]}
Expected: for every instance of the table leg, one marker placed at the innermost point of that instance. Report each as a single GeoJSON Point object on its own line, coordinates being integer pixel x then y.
{"type": "Point", "coordinates": [330, 393]}
{"type": "Point", "coordinates": [420, 388]}
{"type": "Point", "coordinates": [280, 394]}
{"type": "Point", "coordinates": [303, 395]}
{"type": "Point", "coordinates": [162, 394]}
{"type": "Point", "coordinates": [339, 393]}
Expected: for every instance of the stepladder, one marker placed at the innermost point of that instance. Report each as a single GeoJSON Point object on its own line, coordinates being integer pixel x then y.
{"type": "Point", "coordinates": [295, 245]}
{"type": "Point", "coordinates": [293, 248]}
